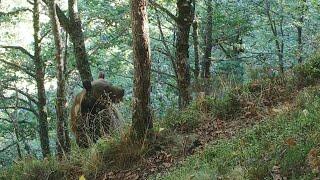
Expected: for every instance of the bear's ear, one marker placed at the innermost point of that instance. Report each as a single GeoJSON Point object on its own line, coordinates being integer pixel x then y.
{"type": "Point", "coordinates": [87, 85]}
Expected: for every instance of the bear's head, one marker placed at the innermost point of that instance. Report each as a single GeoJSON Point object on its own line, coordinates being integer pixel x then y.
{"type": "Point", "coordinates": [100, 89]}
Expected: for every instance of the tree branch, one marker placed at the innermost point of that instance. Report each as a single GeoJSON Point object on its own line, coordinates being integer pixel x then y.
{"type": "Point", "coordinates": [15, 12]}
{"type": "Point", "coordinates": [158, 6]}
{"type": "Point", "coordinates": [20, 107]}
{"type": "Point", "coordinates": [23, 69]}
{"type": "Point", "coordinates": [23, 50]}
{"type": "Point", "coordinates": [44, 35]}
{"type": "Point", "coordinates": [167, 47]}
{"type": "Point", "coordinates": [63, 19]}
{"type": "Point", "coordinates": [28, 96]}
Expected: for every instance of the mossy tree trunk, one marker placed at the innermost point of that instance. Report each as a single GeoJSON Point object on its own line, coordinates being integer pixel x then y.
{"type": "Point", "coordinates": [302, 10]}
{"type": "Point", "coordinates": [195, 35]}
{"type": "Point", "coordinates": [62, 133]}
{"type": "Point", "coordinates": [73, 27]}
{"type": "Point", "coordinates": [141, 115]}
{"type": "Point", "coordinates": [40, 73]}
{"type": "Point", "coordinates": [184, 21]}
{"type": "Point", "coordinates": [208, 41]}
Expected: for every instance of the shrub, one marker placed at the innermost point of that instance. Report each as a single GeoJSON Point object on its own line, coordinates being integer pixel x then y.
{"type": "Point", "coordinates": [204, 108]}
{"type": "Point", "coordinates": [31, 168]}
{"type": "Point", "coordinates": [309, 72]}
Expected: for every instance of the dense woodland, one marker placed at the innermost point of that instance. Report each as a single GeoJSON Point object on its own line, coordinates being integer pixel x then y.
{"type": "Point", "coordinates": [159, 89]}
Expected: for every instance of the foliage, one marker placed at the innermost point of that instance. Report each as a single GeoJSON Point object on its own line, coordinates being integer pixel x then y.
{"type": "Point", "coordinates": [204, 108]}
{"type": "Point", "coordinates": [309, 72]}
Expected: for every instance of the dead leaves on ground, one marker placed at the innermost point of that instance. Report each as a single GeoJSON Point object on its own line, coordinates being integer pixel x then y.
{"type": "Point", "coordinates": [156, 163]}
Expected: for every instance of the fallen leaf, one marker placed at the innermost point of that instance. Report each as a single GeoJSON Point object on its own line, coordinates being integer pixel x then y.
{"type": "Point", "coordinates": [82, 177]}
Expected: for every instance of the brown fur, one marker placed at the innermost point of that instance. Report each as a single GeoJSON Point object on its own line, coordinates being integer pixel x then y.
{"type": "Point", "coordinates": [87, 104]}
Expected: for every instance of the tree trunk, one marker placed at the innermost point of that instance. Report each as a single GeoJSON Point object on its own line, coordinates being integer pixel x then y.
{"type": "Point", "coordinates": [300, 46]}
{"type": "Point", "coordinates": [74, 28]}
{"type": "Point", "coordinates": [77, 38]}
{"type": "Point", "coordinates": [66, 77]}
{"type": "Point", "coordinates": [61, 83]}
{"type": "Point", "coordinates": [184, 21]}
{"type": "Point", "coordinates": [278, 40]}
{"type": "Point", "coordinates": [195, 36]}
{"type": "Point", "coordinates": [299, 30]}
{"type": "Point", "coordinates": [208, 41]}
{"type": "Point", "coordinates": [281, 53]}
{"type": "Point", "coordinates": [141, 115]}
{"type": "Point", "coordinates": [16, 126]}
{"type": "Point", "coordinates": [39, 67]}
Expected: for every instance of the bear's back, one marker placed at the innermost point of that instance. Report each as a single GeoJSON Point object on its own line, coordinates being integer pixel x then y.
{"type": "Point", "coordinates": [99, 87]}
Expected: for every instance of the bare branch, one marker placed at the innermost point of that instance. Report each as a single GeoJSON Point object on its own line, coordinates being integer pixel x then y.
{"type": "Point", "coordinates": [30, 2]}
{"type": "Point", "coordinates": [18, 67]}
{"type": "Point", "coordinates": [23, 50]}
{"type": "Point", "coordinates": [15, 12]}
{"type": "Point", "coordinates": [28, 96]}
{"type": "Point", "coordinates": [158, 6]}
{"type": "Point", "coordinates": [44, 35]}
{"type": "Point", "coordinates": [20, 107]}
{"type": "Point", "coordinates": [167, 47]}
{"type": "Point", "coordinates": [14, 143]}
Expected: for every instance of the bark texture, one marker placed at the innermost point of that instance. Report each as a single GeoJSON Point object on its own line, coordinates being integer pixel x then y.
{"type": "Point", "coordinates": [195, 36]}
{"type": "Point", "coordinates": [73, 27]}
{"type": "Point", "coordinates": [278, 34]}
{"type": "Point", "coordinates": [141, 115]}
{"type": "Point", "coordinates": [39, 67]}
{"type": "Point", "coordinates": [302, 10]}
{"type": "Point", "coordinates": [62, 133]}
{"type": "Point", "coordinates": [208, 41]}
{"type": "Point", "coordinates": [184, 21]}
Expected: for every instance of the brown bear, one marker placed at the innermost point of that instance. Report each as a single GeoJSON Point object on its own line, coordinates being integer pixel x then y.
{"type": "Point", "coordinates": [92, 110]}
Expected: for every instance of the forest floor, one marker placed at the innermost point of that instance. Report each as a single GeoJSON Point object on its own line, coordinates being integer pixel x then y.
{"type": "Point", "coordinates": [266, 102]}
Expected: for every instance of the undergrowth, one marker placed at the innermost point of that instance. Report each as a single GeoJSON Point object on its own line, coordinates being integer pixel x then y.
{"type": "Point", "coordinates": [309, 72]}
{"type": "Point", "coordinates": [202, 109]}
{"type": "Point", "coordinates": [285, 141]}
{"type": "Point", "coordinates": [105, 155]}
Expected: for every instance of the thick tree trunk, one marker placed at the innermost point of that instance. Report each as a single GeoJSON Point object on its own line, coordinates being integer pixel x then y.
{"type": "Point", "coordinates": [208, 41]}
{"type": "Point", "coordinates": [184, 21]}
{"type": "Point", "coordinates": [39, 67]}
{"type": "Point", "coordinates": [141, 115]}
{"type": "Point", "coordinates": [61, 83]}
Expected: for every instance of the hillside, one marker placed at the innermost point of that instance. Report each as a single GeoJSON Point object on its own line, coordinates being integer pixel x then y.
{"type": "Point", "coordinates": [267, 128]}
